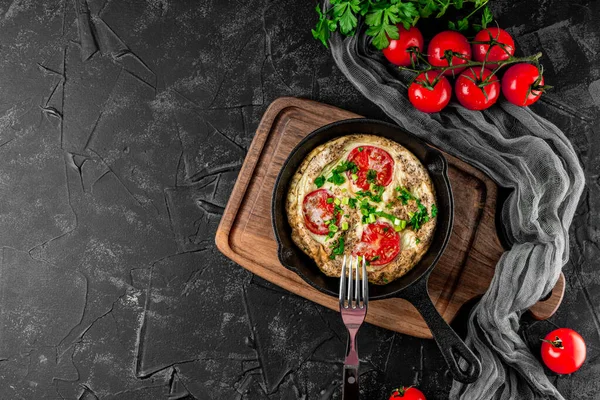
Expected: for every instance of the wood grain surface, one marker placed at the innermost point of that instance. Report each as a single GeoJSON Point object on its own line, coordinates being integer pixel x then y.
{"type": "Point", "coordinates": [462, 274]}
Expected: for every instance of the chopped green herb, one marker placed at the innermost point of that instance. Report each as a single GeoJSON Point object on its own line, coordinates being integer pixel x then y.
{"type": "Point", "coordinates": [337, 179]}
{"type": "Point", "coordinates": [375, 258]}
{"type": "Point", "coordinates": [338, 248]}
{"type": "Point", "coordinates": [333, 228]}
{"type": "Point", "coordinates": [405, 195]}
{"type": "Point", "coordinates": [346, 166]}
{"type": "Point", "coordinates": [434, 211]}
{"type": "Point", "coordinates": [329, 200]}
{"type": "Point", "coordinates": [337, 210]}
{"type": "Point", "coordinates": [417, 240]}
{"type": "Point", "coordinates": [360, 149]}
{"type": "Point", "coordinates": [320, 181]}
{"type": "Point", "coordinates": [385, 280]}
{"type": "Point", "coordinates": [419, 217]}
{"type": "Point", "coordinates": [366, 210]}
{"type": "Point", "coordinates": [352, 202]}
{"type": "Point", "coordinates": [336, 174]}
{"type": "Point", "coordinates": [371, 176]}
{"type": "Point", "coordinates": [375, 194]}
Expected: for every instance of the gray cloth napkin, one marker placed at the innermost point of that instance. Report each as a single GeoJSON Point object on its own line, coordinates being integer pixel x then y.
{"type": "Point", "coordinates": [519, 150]}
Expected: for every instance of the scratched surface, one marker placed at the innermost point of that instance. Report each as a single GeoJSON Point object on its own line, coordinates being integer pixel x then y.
{"type": "Point", "coordinates": [123, 126]}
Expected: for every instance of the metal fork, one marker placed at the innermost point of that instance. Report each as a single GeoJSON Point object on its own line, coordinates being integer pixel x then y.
{"type": "Point", "coordinates": [354, 298]}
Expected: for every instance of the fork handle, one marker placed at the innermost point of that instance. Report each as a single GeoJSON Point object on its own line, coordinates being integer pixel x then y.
{"type": "Point", "coordinates": [350, 386]}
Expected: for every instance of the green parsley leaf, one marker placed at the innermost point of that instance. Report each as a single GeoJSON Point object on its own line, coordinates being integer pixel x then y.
{"type": "Point", "coordinates": [371, 176]}
{"type": "Point", "coordinates": [486, 17]}
{"type": "Point", "coordinates": [360, 149]}
{"type": "Point", "coordinates": [345, 12]}
{"type": "Point", "coordinates": [336, 178]}
{"type": "Point", "coordinates": [434, 211]}
{"type": "Point", "coordinates": [330, 200]}
{"type": "Point", "coordinates": [352, 202]}
{"type": "Point", "coordinates": [417, 240]}
{"type": "Point", "coordinates": [463, 25]}
{"type": "Point", "coordinates": [320, 181]}
{"type": "Point", "coordinates": [405, 195]}
{"type": "Point", "coordinates": [336, 174]}
{"type": "Point", "coordinates": [321, 31]}
{"type": "Point", "coordinates": [418, 218]}
{"type": "Point", "coordinates": [338, 248]}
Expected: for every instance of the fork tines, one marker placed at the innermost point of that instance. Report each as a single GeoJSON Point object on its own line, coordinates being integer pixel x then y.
{"type": "Point", "coordinates": [354, 291]}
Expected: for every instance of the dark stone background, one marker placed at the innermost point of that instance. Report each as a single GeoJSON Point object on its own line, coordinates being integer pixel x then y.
{"type": "Point", "coordinates": [121, 136]}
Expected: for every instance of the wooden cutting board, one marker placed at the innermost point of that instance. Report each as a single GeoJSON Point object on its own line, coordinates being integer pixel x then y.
{"type": "Point", "coordinates": [462, 274]}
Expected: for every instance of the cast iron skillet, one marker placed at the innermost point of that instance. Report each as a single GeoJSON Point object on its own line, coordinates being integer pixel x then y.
{"type": "Point", "coordinates": [413, 285]}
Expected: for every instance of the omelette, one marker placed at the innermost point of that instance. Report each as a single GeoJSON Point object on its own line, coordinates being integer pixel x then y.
{"type": "Point", "coordinates": [366, 196]}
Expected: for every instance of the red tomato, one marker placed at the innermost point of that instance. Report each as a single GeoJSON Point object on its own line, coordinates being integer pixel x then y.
{"type": "Point", "coordinates": [471, 95]}
{"type": "Point", "coordinates": [397, 53]}
{"type": "Point", "coordinates": [379, 243]}
{"type": "Point", "coordinates": [453, 41]}
{"type": "Point", "coordinates": [496, 52]}
{"type": "Point", "coordinates": [426, 96]}
{"type": "Point", "coordinates": [371, 158]}
{"type": "Point", "coordinates": [317, 210]}
{"type": "Point", "coordinates": [407, 393]}
{"type": "Point", "coordinates": [563, 351]}
{"type": "Point", "coordinates": [522, 84]}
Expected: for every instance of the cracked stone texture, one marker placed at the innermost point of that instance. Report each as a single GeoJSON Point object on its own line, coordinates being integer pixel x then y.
{"type": "Point", "coordinates": [123, 126]}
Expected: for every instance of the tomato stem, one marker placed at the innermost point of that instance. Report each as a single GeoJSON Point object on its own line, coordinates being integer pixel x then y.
{"type": "Point", "coordinates": [511, 60]}
{"type": "Point", "coordinates": [557, 342]}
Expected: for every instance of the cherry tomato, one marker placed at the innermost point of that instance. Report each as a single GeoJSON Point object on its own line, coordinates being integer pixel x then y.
{"type": "Point", "coordinates": [379, 243]}
{"type": "Point", "coordinates": [470, 93]}
{"type": "Point", "coordinates": [563, 351]}
{"type": "Point", "coordinates": [407, 393]}
{"type": "Point", "coordinates": [522, 84]}
{"type": "Point", "coordinates": [449, 41]}
{"type": "Point", "coordinates": [397, 53]}
{"type": "Point", "coordinates": [317, 210]}
{"type": "Point", "coordinates": [497, 52]}
{"type": "Point", "coordinates": [371, 158]}
{"type": "Point", "coordinates": [426, 96]}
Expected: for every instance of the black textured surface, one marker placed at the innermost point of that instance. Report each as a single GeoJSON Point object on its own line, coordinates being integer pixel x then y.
{"type": "Point", "coordinates": [122, 129]}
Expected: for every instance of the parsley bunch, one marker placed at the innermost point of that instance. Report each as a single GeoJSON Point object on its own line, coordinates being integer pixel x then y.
{"type": "Point", "coordinates": [383, 16]}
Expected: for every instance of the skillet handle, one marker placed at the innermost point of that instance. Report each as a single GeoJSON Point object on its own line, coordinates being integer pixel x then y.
{"type": "Point", "coordinates": [450, 344]}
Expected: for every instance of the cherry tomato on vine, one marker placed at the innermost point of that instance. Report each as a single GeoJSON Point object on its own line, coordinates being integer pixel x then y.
{"type": "Point", "coordinates": [477, 88]}
{"type": "Point", "coordinates": [397, 52]}
{"type": "Point", "coordinates": [501, 50]}
{"type": "Point", "coordinates": [457, 46]}
{"type": "Point", "coordinates": [523, 84]}
{"type": "Point", "coordinates": [563, 351]}
{"type": "Point", "coordinates": [407, 393]}
{"type": "Point", "coordinates": [430, 92]}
